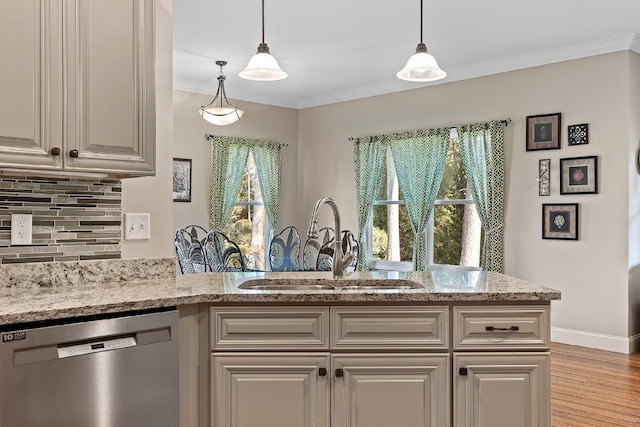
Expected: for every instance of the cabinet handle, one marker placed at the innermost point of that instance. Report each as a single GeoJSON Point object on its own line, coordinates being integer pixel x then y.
{"type": "Point", "coordinates": [462, 371]}
{"type": "Point", "coordinates": [493, 328]}
{"type": "Point", "coordinates": [55, 151]}
{"type": "Point", "coordinates": [73, 153]}
{"type": "Point", "coordinates": [339, 373]}
{"type": "Point", "coordinates": [322, 372]}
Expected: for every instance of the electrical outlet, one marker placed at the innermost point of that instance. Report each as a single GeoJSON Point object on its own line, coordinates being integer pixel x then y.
{"type": "Point", "coordinates": [21, 229]}
{"type": "Point", "coordinates": [137, 226]}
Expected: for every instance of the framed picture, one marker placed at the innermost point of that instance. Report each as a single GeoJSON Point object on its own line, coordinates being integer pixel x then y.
{"type": "Point", "coordinates": [578, 134]}
{"type": "Point", "coordinates": [181, 180]}
{"type": "Point", "coordinates": [544, 174]}
{"type": "Point", "coordinates": [579, 175]}
{"type": "Point", "coordinates": [560, 221]}
{"type": "Point", "coordinates": [543, 132]}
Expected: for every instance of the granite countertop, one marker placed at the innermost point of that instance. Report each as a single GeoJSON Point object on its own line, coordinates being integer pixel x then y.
{"type": "Point", "coordinates": [62, 290]}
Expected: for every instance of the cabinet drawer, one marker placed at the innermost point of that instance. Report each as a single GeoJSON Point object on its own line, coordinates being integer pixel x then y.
{"type": "Point", "coordinates": [504, 327]}
{"type": "Point", "coordinates": [397, 328]}
{"type": "Point", "coordinates": [269, 328]}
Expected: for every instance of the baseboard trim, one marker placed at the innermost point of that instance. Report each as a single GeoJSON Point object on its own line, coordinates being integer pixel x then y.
{"type": "Point", "coordinates": [594, 340]}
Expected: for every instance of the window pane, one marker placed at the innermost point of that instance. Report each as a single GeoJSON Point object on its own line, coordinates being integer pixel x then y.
{"type": "Point", "coordinates": [247, 228]}
{"type": "Point", "coordinates": [392, 234]}
{"type": "Point", "coordinates": [454, 180]}
{"type": "Point", "coordinates": [457, 235]}
{"type": "Point", "coordinates": [250, 188]}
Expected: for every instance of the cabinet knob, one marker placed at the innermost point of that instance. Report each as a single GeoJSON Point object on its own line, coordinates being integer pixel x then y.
{"type": "Point", "coordinates": [55, 151]}
{"type": "Point", "coordinates": [73, 153]}
{"type": "Point", "coordinates": [339, 373]}
{"type": "Point", "coordinates": [463, 371]}
{"type": "Point", "coordinates": [322, 372]}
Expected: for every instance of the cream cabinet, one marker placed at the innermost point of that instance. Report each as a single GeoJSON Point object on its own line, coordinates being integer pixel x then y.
{"type": "Point", "coordinates": [78, 85]}
{"type": "Point", "coordinates": [286, 366]}
{"type": "Point", "coordinates": [501, 365]}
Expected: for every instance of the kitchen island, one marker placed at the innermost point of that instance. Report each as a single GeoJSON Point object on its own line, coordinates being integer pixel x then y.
{"type": "Point", "coordinates": [347, 356]}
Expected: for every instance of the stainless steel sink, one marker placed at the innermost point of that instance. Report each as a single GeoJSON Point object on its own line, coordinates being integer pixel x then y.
{"type": "Point", "coordinates": [326, 284]}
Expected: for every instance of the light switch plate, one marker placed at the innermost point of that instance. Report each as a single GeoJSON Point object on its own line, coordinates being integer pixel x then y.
{"type": "Point", "coordinates": [21, 229]}
{"type": "Point", "coordinates": [137, 226]}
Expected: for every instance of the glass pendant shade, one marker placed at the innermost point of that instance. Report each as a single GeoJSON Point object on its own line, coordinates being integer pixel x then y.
{"type": "Point", "coordinates": [220, 115]}
{"type": "Point", "coordinates": [263, 66]}
{"type": "Point", "coordinates": [421, 67]}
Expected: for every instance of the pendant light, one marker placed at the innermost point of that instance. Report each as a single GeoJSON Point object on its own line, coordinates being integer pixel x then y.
{"type": "Point", "coordinates": [220, 115]}
{"type": "Point", "coordinates": [421, 67]}
{"type": "Point", "coordinates": [262, 66]}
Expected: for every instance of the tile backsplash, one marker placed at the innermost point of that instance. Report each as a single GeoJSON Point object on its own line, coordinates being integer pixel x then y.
{"type": "Point", "coordinates": [73, 219]}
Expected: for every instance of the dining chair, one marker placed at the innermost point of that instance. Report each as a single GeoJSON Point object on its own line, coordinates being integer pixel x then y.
{"type": "Point", "coordinates": [311, 248]}
{"type": "Point", "coordinates": [284, 250]}
{"type": "Point", "coordinates": [189, 253]}
{"type": "Point", "coordinates": [222, 253]}
{"type": "Point", "coordinates": [325, 254]}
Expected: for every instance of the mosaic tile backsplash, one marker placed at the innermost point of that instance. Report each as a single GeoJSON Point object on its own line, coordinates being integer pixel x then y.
{"type": "Point", "coordinates": [73, 219]}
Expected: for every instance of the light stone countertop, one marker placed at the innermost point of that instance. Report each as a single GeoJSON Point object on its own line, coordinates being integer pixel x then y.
{"type": "Point", "coordinates": [66, 290]}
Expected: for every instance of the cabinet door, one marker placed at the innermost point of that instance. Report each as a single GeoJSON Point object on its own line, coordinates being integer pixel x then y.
{"type": "Point", "coordinates": [501, 390]}
{"type": "Point", "coordinates": [30, 83]}
{"type": "Point", "coordinates": [383, 390]}
{"type": "Point", "coordinates": [110, 120]}
{"type": "Point", "coordinates": [270, 390]}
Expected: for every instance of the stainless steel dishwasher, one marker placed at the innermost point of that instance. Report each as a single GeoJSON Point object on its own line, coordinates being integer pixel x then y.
{"type": "Point", "coordinates": [105, 372]}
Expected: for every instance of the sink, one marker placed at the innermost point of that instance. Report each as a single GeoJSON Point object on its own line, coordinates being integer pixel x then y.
{"type": "Point", "coordinates": [326, 284]}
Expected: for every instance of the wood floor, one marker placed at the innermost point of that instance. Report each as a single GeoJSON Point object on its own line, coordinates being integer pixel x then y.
{"type": "Point", "coordinates": [594, 387]}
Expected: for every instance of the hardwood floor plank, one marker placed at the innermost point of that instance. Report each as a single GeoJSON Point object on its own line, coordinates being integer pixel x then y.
{"type": "Point", "coordinates": [592, 387]}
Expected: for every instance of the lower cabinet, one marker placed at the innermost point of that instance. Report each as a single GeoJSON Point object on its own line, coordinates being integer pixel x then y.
{"type": "Point", "coordinates": [384, 390]}
{"type": "Point", "coordinates": [501, 390]}
{"type": "Point", "coordinates": [266, 389]}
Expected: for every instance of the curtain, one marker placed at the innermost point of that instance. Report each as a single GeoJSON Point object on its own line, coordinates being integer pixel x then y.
{"type": "Point", "coordinates": [268, 158]}
{"type": "Point", "coordinates": [482, 149]}
{"type": "Point", "coordinates": [369, 154]}
{"type": "Point", "coordinates": [228, 160]}
{"type": "Point", "coordinates": [420, 159]}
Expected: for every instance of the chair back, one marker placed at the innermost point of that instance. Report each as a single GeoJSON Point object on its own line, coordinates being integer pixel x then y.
{"type": "Point", "coordinates": [223, 254]}
{"type": "Point", "coordinates": [311, 248]}
{"type": "Point", "coordinates": [189, 253]}
{"type": "Point", "coordinates": [325, 254]}
{"type": "Point", "coordinates": [284, 250]}
{"type": "Point", "coordinates": [196, 232]}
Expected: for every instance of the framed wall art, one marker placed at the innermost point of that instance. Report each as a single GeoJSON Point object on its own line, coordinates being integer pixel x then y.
{"type": "Point", "coordinates": [181, 180]}
{"type": "Point", "coordinates": [579, 175]}
{"type": "Point", "coordinates": [543, 132]}
{"type": "Point", "coordinates": [560, 221]}
{"type": "Point", "coordinates": [544, 174]}
{"type": "Point", "coordinates": [578, 134]}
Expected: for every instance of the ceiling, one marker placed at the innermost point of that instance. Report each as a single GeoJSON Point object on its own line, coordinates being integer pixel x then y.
{"type": "Point", "coordinates": [337, 50]}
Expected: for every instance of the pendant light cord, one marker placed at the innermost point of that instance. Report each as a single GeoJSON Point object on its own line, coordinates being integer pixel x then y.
{"type": "Point", "coordinates": [421, 1]}
{"type": "Point", "coordinates": [263, 21]}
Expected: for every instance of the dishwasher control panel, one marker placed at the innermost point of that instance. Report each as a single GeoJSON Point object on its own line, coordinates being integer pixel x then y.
{"type": "Point", "coordinates": [96, 346]}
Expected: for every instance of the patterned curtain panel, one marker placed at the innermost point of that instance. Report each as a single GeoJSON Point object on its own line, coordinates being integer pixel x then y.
{"type": "Point", "coordinates": [268, 158]}
{"type": "Point", "coordinates": [369, 154]}
{"type": "Point", "coordinates": [228, 160]}
{"type": "Point", "coordinates": [420, 158]}
{"type": "Point", "coordinates": [482, 149]}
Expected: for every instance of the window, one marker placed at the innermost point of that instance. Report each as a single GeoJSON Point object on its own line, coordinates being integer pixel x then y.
{"type": "Point", "coordinates": [454, 231]}
{"type": "Point", "coordinates": [248, 226]}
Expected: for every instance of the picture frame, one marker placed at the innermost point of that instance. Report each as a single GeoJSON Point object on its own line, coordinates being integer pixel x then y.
{"type": "Point", "coordinates": [543, 132]}
{"type": "Point", "coordinates": [578, 134]}
{"type": "Point", "coordinates": [181, 180]}
{"type": "Point", "coordinates": [560, 221]}
{"type": "Point", "coordinates": [579, 175]}
{"type": "Point", "coordinates": [544, 175]}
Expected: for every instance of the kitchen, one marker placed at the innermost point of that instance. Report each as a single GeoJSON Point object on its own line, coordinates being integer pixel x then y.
{"type": "Point", "coordinates": [591, 280]}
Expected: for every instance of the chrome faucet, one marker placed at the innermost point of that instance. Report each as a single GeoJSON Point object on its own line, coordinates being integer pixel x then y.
{"type": "Point", "coordinates": [340, 260]}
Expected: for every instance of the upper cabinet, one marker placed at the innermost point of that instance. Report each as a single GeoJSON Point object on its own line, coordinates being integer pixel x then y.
{"type": "Point", "coordinates": [78, 86]}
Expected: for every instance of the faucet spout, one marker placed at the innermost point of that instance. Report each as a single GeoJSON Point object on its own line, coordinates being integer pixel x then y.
{"type": "Point", "coordinates": [340, 261]}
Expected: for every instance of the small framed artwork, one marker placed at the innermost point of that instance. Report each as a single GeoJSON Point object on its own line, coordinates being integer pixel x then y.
{"type": "Point", "coordinates": [543, 132]}
{"type": "Point", "coordinates": [578, 134]}
{"type": "Point", "coordinates": [560, 221]}
{"type": "Point", "coordinates": [181, 180]}
{"type": "Point", "coordinates": [544, 171]}
{"type": "Point", "coordinates": [579, 175]}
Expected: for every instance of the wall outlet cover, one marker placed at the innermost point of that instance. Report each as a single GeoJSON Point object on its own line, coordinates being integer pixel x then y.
{"type": "Point", "coordinates": [21, 229]}
{"type": "Point", "coordinates": [137, 226]}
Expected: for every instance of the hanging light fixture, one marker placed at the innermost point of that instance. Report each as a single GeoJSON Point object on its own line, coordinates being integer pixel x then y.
{"type": "Point", "coordinates": [262, 66]}
{"type": "Point", "coordinates": [421, 67]}
{"type": "Point", "coordinates": [220, 115]}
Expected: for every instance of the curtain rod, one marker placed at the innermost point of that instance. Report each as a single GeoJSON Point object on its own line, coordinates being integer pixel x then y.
{"type": "Point", "coordinates": [503, 121]}
{"type": "Point", "coordinates": [208, 137]}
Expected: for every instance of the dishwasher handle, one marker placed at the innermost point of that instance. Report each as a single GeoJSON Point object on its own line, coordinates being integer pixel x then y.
{"type": "Point", "coordinates": [96, 346]}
